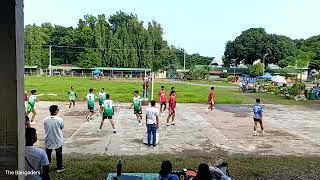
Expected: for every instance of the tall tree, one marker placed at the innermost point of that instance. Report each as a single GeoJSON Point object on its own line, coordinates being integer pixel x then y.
{"type": "Point", "coordinates": [35, 38]}
{"type": "Point", "coordinates": [254, 44]}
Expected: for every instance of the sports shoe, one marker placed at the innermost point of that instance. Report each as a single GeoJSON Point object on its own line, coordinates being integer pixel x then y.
{"type": "Point", "coordinates": [206, 110]}
{"type": "Point", "coordinates": [114, 131]}
{"type": "Point", "coordinates": [168, 124]}
{"type": "Point", "coordinates": [60, 170]}
{"type": "Point", "coordinates": [99, 130]}
{"type": "Point", "coordinates": [255, 133]}
{"type": "Point", "coordinates": [173, 123]}
{"type": "Point", "coordinates": [140, 123]}
{"type": "Point", "coordinates": [262, 132]}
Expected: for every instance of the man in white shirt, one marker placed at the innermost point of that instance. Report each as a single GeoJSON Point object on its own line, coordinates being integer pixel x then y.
{"type": "Point", "coordinates": [152, 122]}
{"type": "Point", "coordinates": [36, 160]}
{"type": "Point", "coordinates": [53, 126]}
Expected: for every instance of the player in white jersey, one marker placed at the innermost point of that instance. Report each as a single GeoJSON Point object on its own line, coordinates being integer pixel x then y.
{"type": "Point", "coordinates": [31, 103]}
{"type": "Point", "coordinates": [137, 109]}
{"type": "Point", "coordinates": [91, 97]}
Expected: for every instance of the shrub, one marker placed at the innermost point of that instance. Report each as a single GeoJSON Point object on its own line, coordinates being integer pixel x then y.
{"type": "Point", "coordinates": [296, 88]}
{"type": "Point", "coordinates": [273, 89]}
{"type": "Point", "coordinates": [230, 78]}
{"type": "Point", "coordinates": [256, 69]}
{"type": "Point", "coordinates": [224, 75]}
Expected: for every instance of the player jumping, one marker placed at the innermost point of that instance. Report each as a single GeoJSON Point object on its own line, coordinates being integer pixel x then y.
{"type": "Point", "coordinates": [72, 97]}
{"type": "Point", "coordinates": [172, 106]}
{"type": "Point", "coordinates": [107, 109]}
{"type": "Point", "coordinates": [136, 103]}
{"type": "Point", "coordinates": [162, 100]}
{"type": "Point", "coordinates": [31, 103]}
{"type": "Point", "coordinates": [210, 99]}
{"type": "Point", "coordinates": [257, 117]}
{"type": "Point", "coordinates": [90, 100]}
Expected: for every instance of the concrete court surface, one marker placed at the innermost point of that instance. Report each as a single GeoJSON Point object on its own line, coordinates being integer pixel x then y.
{"type": "Point", "coordinates": [289, 130]}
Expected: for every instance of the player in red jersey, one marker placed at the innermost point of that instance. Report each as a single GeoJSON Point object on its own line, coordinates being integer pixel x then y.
{"type": "Point", "coordinates": [162, 100]}
{"type": "Point", "coordinates": [210, 99]}
{"type": "Point", "coordinates": [172, 107]}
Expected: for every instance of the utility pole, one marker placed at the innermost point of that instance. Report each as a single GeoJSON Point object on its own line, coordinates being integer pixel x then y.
{"type": "Point", "coordinates": [184, 60]}
{"type": "Point", "coordinates": [264, 57]}
{"type": "Point", "coordinates": [50, 66]}
{"type": "Point", "coordinates": [234, 67]}
{"type": "Point", "coordinates": [152, 85]}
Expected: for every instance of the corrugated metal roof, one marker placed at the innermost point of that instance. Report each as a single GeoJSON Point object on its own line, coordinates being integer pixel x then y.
{"type": "Point", "coordinates": [30, 67]}
{"type": "Point", "coordinates": [101, 68]}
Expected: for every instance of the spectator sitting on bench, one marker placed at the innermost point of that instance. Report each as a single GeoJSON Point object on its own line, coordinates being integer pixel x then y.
{"type": "Point", "coordinates": [203, 173]}
{"type": "Point", "coordinates": [35, 158]}
{"type": "Point", "coordinates": [166, 172]}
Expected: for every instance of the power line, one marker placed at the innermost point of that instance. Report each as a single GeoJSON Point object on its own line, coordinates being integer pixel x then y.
{"type": "Point", "coordinates": [79, 47]}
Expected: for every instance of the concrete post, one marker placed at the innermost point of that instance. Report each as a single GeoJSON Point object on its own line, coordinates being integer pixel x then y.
{"type": "Point", "coordinates": [12, 123]}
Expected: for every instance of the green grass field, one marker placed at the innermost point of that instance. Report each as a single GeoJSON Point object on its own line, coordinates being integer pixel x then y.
{"type": "Point", "coordinates": [214, 83]}
{"type": "Point", "coordinates": [121, 90]}
{"type": "Point", "coordinates": [244, 168]}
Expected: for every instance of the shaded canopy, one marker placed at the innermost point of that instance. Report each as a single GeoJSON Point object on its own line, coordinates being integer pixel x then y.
{"type": "Point", "coordinates": [266, 76]}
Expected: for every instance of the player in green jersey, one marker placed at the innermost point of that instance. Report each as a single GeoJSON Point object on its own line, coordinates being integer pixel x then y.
{"type": "Point", "coordinates": [102, 97]}
{"type": "Point", "coordinates": [72, 97]}
{"type": "Point", "coordinates": [91, 97]}
{"type": "Point", "coordinates": [31, 103]}
{"type": "Point", "coordinates": [137, 109]}
{"type": "Point", "coordinates": [107, 111]}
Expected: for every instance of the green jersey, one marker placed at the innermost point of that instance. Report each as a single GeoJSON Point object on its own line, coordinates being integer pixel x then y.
{"type": "Point", "coordinates": [108, 107]}
{"type": "Point", "coordinates": [90, 99]}
{"type": "Point", "coordinates": [137, 103]}
{"type": "Point", "coordinates": [102, 97]}
{"type": "Point", "coordinates": [32, 100]}
{"type": "Point", "coordinates": [72, 95]}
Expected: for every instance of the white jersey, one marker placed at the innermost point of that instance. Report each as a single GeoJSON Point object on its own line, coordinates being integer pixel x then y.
{"type": "Point", "coordinates": [152, 113]}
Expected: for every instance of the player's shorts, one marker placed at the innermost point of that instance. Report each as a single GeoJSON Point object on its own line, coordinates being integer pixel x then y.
{"type": "Point", "coordinates": [30, 108]}
{"type": "Point", "coordinates": [172, 111]}
{"type": "Point", "coordinates": [256, 119]}
{"type": "Point", "coordinates": [164, 105]}
{"type": "Point", "coordinates": [137, 111]}
{"type": "Point", "coordinates": [211, 102]}
{"type": "Point", "coordinates": [91, 109]}
{"type": "Point", "coordinates": [72, 100]}
{"type": "Point", "coordinates": [107, 117]}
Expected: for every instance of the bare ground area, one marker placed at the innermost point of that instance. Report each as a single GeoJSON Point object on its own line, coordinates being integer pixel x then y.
{"type": "Point", "coordinates": [290, 130]}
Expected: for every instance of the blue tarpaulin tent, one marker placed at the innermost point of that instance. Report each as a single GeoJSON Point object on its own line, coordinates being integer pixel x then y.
{"type": "Point", "coordinates": [97, 72]}
{"type": "Point", "coordinates": [265, 76]}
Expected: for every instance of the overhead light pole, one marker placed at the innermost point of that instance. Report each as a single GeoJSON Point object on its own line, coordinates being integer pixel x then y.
{"type": "Point", "coordinates": [234, 66]}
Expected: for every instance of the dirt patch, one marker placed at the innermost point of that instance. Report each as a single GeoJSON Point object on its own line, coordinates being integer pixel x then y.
{"type": "Point", "coordinates": [281, 134]}
{"type": "Point", "coordinates": [237, 110]}
{"type": "Point", "coordinates": [76, 113]}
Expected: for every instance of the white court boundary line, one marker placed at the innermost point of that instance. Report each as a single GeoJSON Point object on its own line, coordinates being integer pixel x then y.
{"type": "Point", "coordinates": [111, 137]}
{"type": "Point", "coordinates": [213, 127]}
{"type": "Point", "coordinates": [85, 124]}
{"type": "Point", "coordinates": [76, 131]}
